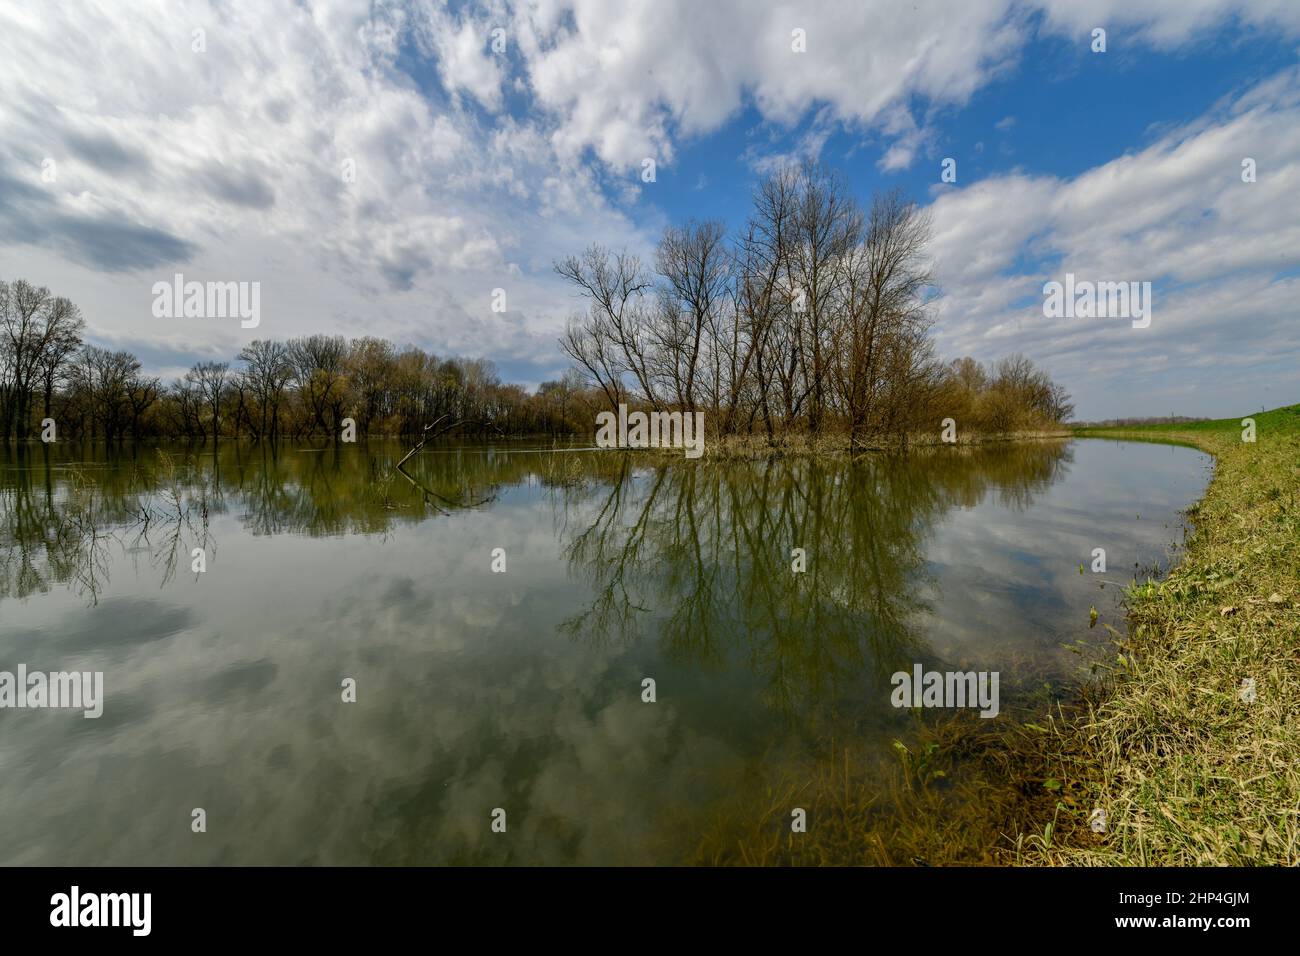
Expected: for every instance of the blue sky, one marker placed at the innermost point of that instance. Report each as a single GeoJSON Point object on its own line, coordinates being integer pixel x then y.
{"type": "Point", "coordinates": [476, 168]}
{"type": "Point", "coordinates": [1062, 112]}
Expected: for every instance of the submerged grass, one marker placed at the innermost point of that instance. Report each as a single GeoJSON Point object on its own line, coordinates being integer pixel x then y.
{"type": "Point", "coordinates": [796, 443]}
{"type": "Point", "coordinates": [955, 794]}
{"type": "Point", "coordinates": [1189, 743]}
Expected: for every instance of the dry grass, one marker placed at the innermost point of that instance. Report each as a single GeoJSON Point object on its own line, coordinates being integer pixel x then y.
{"type": "Point", "coordinates": [795, 443]}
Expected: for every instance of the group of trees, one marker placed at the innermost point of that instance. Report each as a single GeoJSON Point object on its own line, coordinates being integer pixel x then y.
{"type": "Point", "coordinates": [815, 317]}
{"type": "Point", "coordinates": [300, 388]}
{"type": "Point", "coordinates": [308, 386]}
{"type": "Point", "coordinates": [40, 335]}
{"type": "Point", "coordinates": [1010, 395]}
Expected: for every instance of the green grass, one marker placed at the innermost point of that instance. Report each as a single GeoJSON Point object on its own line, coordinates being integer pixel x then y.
{"type": "Point", "coordinates": [1285, 420]}
{"type": "Point", "coordinates": [1188, 771]}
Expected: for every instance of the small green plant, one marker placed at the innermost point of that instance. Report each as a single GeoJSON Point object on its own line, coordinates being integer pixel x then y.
{"type": "Point", "coordinates": [918, 764]}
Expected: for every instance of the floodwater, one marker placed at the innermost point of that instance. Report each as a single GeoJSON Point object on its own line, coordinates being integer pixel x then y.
{"type": "Point", "coordinates": [328, 574]}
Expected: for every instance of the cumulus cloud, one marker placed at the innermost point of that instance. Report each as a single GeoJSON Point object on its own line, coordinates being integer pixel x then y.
{"type": "Point", "coordinates": [626, 81]}
{"type": "Point", "coordinates": [303, 148]}
{"type": "Point", "coordinates": [1178, 214]}
{"type": "Point", "coordinates": [381, 168]}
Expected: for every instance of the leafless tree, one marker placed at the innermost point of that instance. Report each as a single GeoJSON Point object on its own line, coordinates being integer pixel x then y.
{"type": "Point", "coordinates": [267, 372]}
{"type": "Point", "coordinates": [693, 263]}
{"type": "Point", "coordinates": [613, 337]}
{"type": "Point", "coordinates": [210, 380]}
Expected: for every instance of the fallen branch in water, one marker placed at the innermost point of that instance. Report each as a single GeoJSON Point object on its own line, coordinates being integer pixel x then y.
{"type": "Point", "coordinates": [428, 433]}
{"type": "Point", "coordinates": [425, 436]}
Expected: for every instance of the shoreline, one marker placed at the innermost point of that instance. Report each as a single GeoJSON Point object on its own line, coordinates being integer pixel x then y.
{"type": "Point", "coordinates": [1191, 745]}
{"type": "Point", "coordinates": [1163, 741]}
{"type": "Point", "coordinates": [799, 444]}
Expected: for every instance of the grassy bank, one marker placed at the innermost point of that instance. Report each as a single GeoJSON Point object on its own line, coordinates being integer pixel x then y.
{"type": "Point", "coordinates": [1193, 748]}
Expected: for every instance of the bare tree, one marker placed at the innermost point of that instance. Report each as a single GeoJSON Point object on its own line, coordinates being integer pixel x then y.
{"type": "Point", "coordinates": [142, 393]}
{"type": "Point", "coordinates": [614, 335]}
{"type": "Point", "coordinates": [64, 328]}
{"type": "Point", "coordinates": [694, 264]}
{"type": "Point", "coordinates": [105, 377]}
{"type": "Point", "coordinates": [210, 380]}
{"type": "Point", "coordinates": [23, 332]}
{"type": "Point", "coordinates": [882, 340]}
{"type": "Point", "coordinates": [762, 295]}
{"type": "Point", "coordinates": [319, 371]}
{"type": "Point", "coordinates": [827, 225]}
{"type": "Point", "coordinates": [267, 373]}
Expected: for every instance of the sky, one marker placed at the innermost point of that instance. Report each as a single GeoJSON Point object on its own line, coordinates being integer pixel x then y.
{"type": "Point", "coordinates": [383, 168]}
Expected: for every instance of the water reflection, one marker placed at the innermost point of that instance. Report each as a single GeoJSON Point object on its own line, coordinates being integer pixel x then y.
{"type": "Point", "coordinates": [702, 557]}
{"type": "Point", "coordinates": [705, 558]}
{"type": "Point", "coordinates": [521, 689]}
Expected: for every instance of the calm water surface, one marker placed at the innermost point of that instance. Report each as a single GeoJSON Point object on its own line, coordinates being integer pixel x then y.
{"type": "Point", "coordinates": [523, 690]}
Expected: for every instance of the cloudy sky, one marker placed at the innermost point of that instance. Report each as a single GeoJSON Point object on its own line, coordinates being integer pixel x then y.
{"type": "Point", "coordinates": [487, 139]}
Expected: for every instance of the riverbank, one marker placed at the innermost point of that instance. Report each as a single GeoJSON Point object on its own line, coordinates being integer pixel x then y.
{"type": "Point", "coordinates": [1192, 748]}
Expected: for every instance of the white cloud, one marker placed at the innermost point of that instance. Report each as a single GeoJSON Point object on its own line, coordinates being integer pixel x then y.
{"type": "Point", "coordinates": [1176, 214]}
{"type": "Point", "coordinates": [230, 164]}
{"type": "Point", "coordinates": [473, 169]}
{"type": "Point", "coordinates": [624, 80]}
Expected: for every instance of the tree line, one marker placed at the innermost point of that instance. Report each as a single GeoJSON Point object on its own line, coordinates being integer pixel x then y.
{"type": "Point", "coordinates": [296, 389]}
{"type": "Point", "coordinates": [814, 317]}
